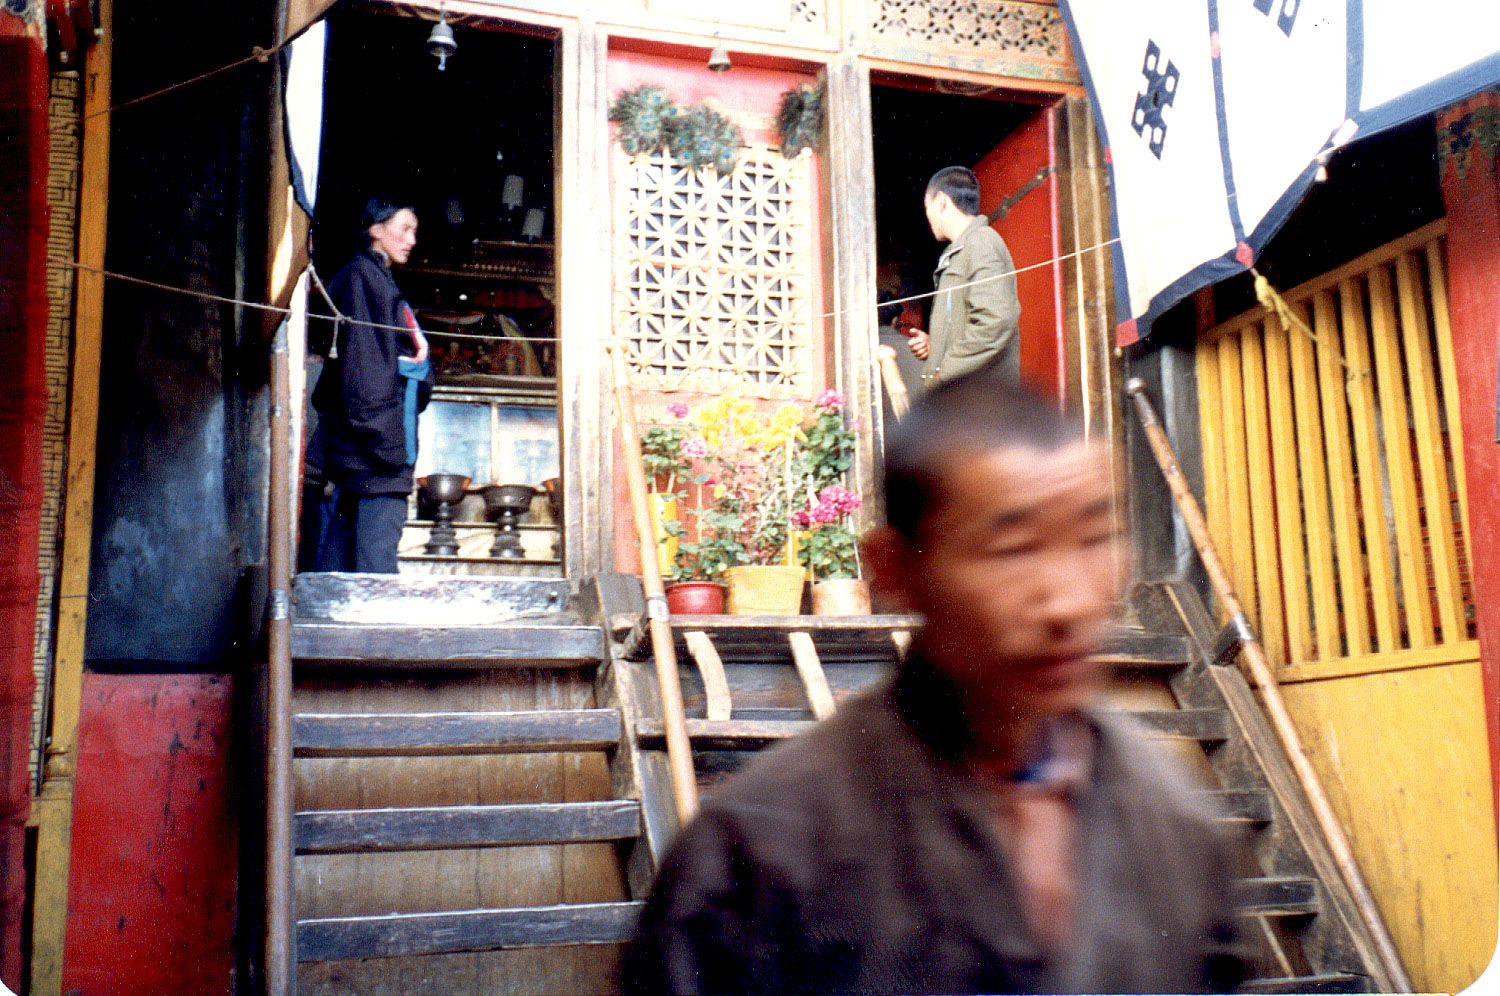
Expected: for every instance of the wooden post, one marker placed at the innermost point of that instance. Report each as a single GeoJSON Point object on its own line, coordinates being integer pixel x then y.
{"type": "Point", "coordinates": [280, 954]}
{"type": "Point", "coordinates": [54, 803]}
{"type": "Point", "coordinates": [679, 749]}
{"type": "Point", "coordinates": [1472, 197]}
{"type": "Point", "coordinates": [1395, 979]}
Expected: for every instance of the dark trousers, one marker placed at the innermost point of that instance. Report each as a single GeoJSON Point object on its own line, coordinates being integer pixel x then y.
{"type": "Point", "coordinates": [362, 532]}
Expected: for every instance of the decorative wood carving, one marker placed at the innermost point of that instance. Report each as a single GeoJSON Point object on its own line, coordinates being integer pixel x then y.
{"type": "Point", "coordinates": [714, 275]}
{"type": "Point", "coordinates": [1031, 29]}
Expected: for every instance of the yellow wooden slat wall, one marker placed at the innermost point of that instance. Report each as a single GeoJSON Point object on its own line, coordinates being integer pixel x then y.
{"type": "Point", "coordinates": [1331, 469]}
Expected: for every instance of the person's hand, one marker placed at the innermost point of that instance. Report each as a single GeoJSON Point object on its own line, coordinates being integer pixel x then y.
{"type": "Point", "coordinates": [919, 343]}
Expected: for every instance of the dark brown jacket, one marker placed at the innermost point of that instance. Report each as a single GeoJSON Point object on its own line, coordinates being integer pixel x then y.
{"type": "Point", "coordinates": [858, 859]}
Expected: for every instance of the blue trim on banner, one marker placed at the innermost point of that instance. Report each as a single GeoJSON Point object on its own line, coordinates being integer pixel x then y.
{"type": "Point", "coordinates": [1202, 275]}
{"type": "Point", "coordinates": [1283, 208]}
{"type": "Point", "coordinates": [300, 191]}
{"type": "Point", "coordinates": [1117, 250]}
{"type": "Point", "coordinates": [1219, 110]}
{"type": "Point", "coordinates": [1441, 92]}
{"type": "Point", "coordinates": [1354, 41]}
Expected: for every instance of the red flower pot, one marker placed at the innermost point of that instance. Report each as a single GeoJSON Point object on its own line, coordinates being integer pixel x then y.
{"type": "Point", "coordinates": [695, 598]}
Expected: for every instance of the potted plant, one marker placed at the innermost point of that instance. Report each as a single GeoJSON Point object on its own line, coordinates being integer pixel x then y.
{"type": "Point", "coordinates": [828, 546]}
{"type": "Point", "coordinates": [695, 585]}
{"type": "Point", "coordinates": [667, 469]}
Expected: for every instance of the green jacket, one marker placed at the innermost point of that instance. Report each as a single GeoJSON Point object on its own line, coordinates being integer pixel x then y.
{"type": "Point", "coordinates": [974, 326]}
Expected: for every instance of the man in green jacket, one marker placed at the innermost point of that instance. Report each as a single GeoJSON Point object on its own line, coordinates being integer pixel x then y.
{"type": "Point", "coordinates": [976, 314]}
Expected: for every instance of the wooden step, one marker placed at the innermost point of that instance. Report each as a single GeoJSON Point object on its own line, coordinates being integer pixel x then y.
{"type": "Point", "coordinates": [436, 827]}
{"type": "Point", "coordinates": [730, 734]}
{"type": "Point", "coordinates": [1247, 806]}
{"type": "Point", "coordinates": [1309, 984]}
{"type": "Point", "coordinates": [1138, 650]}
{"type": "Point", "coordinates": [520, 644]}
{"type": "Point", "coordinates": [761, 638]}
{"type": "Point", "coordinates": [433, 600]}
{"type": "Point", "coordinates": [1204, 725]}
{"type": "Point", "coordinates": [399, 934]}
{"type": "Point", "coordinates": [454, 733]}
{"type": "Point", "coordinates": [1276, 896]}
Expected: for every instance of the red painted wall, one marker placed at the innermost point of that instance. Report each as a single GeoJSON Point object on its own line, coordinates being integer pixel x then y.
{"type": "Point", "coordinates": [23, 403]}
{"type": "Point", "coordinates": [1473, 204]}
{"type": "Point", "coordinates": [754, 86]}
{"type": "Point", "coordinates": [1030, 232]}
{"type": "Point", "coordinates": [152, 891]}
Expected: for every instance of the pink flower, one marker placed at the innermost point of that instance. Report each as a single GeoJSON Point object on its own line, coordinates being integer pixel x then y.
{"type": "Point", "coordinates": [800, 519]}
{"type": "Point", "coordinates": [830, 400]}
{"type": "Point", "coordinates": [856, 423]}
{"type": "Point", "coordinates": [695, 448]}
{"type": "Point", "coordinates": [824, 512]}
{"type": "Point", "coordinates": [840, 499]}
{"type": "Point", "coordinates": [678, 408]}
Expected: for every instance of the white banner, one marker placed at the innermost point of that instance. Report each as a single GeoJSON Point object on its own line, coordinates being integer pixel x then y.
{"type": "Point", "coordinates": [1214, 114]}
{"type": "Point", "coordinates": [303, 101]}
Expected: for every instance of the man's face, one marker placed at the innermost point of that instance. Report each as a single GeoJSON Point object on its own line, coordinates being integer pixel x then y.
{"type": "Point", "coordinates": [396, 236]}
{"type": "Point", "coordinates": [1017, 573]}
{"type": "Point", "coordinates": [933, 204]}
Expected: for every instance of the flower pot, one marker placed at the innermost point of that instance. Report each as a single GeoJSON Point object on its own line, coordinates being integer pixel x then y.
{"type": "Point", "coordinates": [841, 597]}
{"type": "Point", "coordinates": [765, 590]}
{"type": "Point", "coordinates": [663, 510]}
{"type": "Point", "coordinates": [695, 598]}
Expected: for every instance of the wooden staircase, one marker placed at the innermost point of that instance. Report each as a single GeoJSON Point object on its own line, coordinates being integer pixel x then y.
{"type": "Point", "coordinates": [413, 695]}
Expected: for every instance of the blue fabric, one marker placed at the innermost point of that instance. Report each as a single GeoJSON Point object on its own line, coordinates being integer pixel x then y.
{"type": "Point", "coordinates": [413, 373]}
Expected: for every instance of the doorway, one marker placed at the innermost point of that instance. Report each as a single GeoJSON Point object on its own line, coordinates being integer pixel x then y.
{"type": "Point", "coordinates": [471, 147]}
{"type": "Point", "coordinates": [923, 125]}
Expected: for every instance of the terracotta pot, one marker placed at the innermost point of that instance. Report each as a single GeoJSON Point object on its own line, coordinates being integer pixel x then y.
{"type": "Point", "coordinates": [841, 597]}
{"type": "Point", "coordinates": [663, 510]}
{"type": "Point", "coordinates": [695, 598]}
{"type": "Point", "coordinates": [765, 590]}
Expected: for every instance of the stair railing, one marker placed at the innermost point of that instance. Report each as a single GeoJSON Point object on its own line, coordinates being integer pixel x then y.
{"type": "Point", "coordinates": [279, 944]}
{"type": "Point", "coordinates": [1265, 680]}
{"type": "Point", "coordinates": [664, 651]}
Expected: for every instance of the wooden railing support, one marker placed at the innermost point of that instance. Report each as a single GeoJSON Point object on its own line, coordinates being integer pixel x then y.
{"type": "Point", "coordinates": [1260, 672]}
{"type": "Point", "coordinates": [280, 958]}
{"type": "Point", "coordinates": [664, 651]}
{"type": "Point", "coordinates": [890, 376]}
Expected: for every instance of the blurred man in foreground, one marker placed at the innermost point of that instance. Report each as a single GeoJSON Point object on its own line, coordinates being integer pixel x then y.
{"type": "Point", "coordinates": [970, 826]}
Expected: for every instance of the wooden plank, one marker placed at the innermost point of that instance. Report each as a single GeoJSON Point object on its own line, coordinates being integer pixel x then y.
{"type": "Point", "coordinates": [1396, 660]}
{"type": "Point", "coordinates": [1310, 985]}
{"type": "Point", "coordinates": [1437, 503]}
{"type": "Point", "coordinates": [1437, 282]}
{"type": "Point", "coordinates": [473, 646]}
{"type": "Point", "coordinates": [1211, 436]}
{"type": "Point", "coordinates": [1332, 375]}
{"type": "Point", "coordinates": [1364, 417]}
{"type": "Point", "coordinates": [438, 827]}
{"type": "Point", "coordinates": [1289, 510]}
{"type": "Point", "coordinates": [711, 671]}
{"type": "Point", "coordinates": [449, 733]}
{"type": "Point", "coordinates": [760, 638]}
{"type": "Point", "coordinates": [1276, 896]}
{"type": "Point", "coordinates": [1352, 270]}
{"type": "Point", "coordinates": [397, 934]}
{"type": "Point", "coordinates": [1313, 471]}
{"type": "Point", "coordinates": [1184, 724]}
{"type": "Point", "coordinates": [407, 599]}
{"type": "Point", "coordinates": [1267, 592]}
{"type": "Point", "coordinates": [1239, 805]}
{"type": "Point", "coordinates": [1131, 646]}
{"type": "Point", "coordinates": [1400, 470]}
{"type": "Point", "coordinates": [810, 670]}
{"type": "Point", "coordinates": [1239, 551]}
{"type": "Point", "coordinates": [734, 734]}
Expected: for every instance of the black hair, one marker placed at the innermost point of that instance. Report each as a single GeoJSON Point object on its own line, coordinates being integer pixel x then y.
{"type": "Point", "coordinates": [378, 210]}
{"type": "Point", "coordinates": [887, 311]}
{"type": "Point", "coordinates": [978, 412]}
{"type": "Point", "coordinates": [961, 186]}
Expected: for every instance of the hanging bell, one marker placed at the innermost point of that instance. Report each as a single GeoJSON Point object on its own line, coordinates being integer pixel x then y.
{"type": "Point", "coordinates": [440, 43]}
{"type": "Point", "coordinates": [718, 59]}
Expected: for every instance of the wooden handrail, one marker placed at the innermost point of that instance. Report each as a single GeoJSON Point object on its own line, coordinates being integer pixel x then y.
{"type": "Point", "coordinates": [679, 748]}
{"type": "Point", "coordinates": [1265, 679]}
{"type": "Point", "coordinates": [280, 954]}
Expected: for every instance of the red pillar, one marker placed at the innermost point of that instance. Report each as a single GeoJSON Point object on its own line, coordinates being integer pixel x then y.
{"type": "Point", "coordinates": [1467, 140]}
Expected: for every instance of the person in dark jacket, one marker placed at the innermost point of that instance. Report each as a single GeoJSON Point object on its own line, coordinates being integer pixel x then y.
{"type": "Point", "coordinates": [973, 825]}
{"type": "Point", "coordinates": [368, 397]}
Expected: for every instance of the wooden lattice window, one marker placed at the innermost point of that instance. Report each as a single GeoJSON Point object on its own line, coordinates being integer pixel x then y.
{"type": "Point", "coordinates": [714, 274]}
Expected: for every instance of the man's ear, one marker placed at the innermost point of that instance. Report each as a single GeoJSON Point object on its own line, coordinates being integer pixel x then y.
{"type": "Point", "coordinates": [887, 555]}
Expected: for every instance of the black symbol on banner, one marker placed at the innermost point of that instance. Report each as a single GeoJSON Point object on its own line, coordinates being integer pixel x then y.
{"type": "Point", "coordinates": [1288, 16]}
{"type": "Point", "coordinates": [1160, 91]}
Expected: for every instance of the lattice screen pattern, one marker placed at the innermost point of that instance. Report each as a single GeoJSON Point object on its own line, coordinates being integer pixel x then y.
{"type": "Point", "coordinates": [714, 275]}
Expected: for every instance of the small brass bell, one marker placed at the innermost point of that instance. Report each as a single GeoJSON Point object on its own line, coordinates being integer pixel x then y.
{"type": "Point", "coordinates": [440, 43]}
{"type": "Point", "coordinates": [718, 59]}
